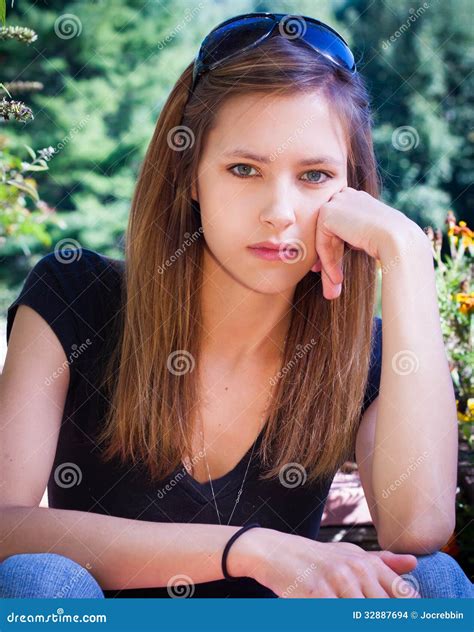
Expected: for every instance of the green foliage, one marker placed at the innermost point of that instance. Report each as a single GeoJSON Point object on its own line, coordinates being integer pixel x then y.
{"type": "Point", "coordinates": [22, 212]}
{"type": "Point", "coordinates": [107, 74]}
{"type": "Point", "coordinates": [417, 60]}
{"type": "Point", "coordinates": [454, 277]}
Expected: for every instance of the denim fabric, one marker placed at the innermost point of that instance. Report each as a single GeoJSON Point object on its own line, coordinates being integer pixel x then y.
{"type": "Point", "coordinates": [46, 576]}
{"type": "Point", "coordinates": [49, 575]}
{"type": "Point", "coordinates": [439, 576]}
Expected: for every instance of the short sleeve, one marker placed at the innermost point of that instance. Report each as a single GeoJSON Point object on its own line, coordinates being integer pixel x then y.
{"type": "Point", "coordinates": [46, 290]}
{"type": "Point", "coordinates": [375, 368]}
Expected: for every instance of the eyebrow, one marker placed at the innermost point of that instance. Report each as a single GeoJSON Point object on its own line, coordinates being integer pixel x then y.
{"type": "Point", "coordinates": [244, 153]}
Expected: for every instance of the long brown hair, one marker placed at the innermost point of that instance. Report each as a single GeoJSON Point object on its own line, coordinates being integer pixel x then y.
{"type": "Point", "coordinates": [315, 410]}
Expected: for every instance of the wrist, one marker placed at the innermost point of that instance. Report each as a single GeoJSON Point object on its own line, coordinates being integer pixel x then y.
{"type": "Point", "coordinates": [408, 240]}
{"type": "Point", "coordinates": [246, 553]}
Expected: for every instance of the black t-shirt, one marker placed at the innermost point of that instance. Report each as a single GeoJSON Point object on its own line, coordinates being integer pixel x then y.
{"type": "Point", "coordinates": [80, 297]}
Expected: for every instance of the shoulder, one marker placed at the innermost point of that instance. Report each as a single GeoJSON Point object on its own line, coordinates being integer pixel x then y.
{"type": "Point", "coordinates": [77, 263]}
{"type": "Point", "coordinates": [76, 290]}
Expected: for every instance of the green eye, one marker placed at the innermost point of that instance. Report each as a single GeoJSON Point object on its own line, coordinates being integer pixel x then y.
{"type": "Point", "coordinates": [320, 172]}
{"type": "Point", "coordinates": [245, 173]}
{"type": "Point", "coordinates": [240, 165]}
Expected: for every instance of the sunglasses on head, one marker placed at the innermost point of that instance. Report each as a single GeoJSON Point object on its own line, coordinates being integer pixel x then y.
{"type": "Point", "coordinates": [244, 32]}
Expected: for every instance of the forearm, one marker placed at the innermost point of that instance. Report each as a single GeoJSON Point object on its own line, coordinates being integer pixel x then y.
{"type": "Point", "coordinates": [122, 553]}
{"type": "Point", "coordinates": [414, 466]}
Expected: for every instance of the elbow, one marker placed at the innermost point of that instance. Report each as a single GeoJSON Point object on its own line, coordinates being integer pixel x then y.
{"type": "Point", "coordinates": [418, 539]}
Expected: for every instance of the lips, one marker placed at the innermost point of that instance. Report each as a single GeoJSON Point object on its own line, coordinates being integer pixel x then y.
{"type": "Point", "coordinates": [275, 254]}
{"type": "Point", "coordinates": [267, 245]}
{"type": "Point", "coordinates": [273, 249]}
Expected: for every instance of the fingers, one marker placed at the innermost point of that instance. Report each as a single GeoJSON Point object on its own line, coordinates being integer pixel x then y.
{"type": "Point", "coordinates": [383, 578]}
{"type": "Point", "coordinates": [330, 250]}
{"type": "Point", "coordinates": [324, 591]}
{"type": "Point", "coordinates": [397, 586]}
{"type": "Point", "coordinates": [398, 562]}
{"type": "Point", "coordinates": [365, 583]}
{"type": "Point", "coordinates": [374, 590]}
{"type": "Point", "coordinates": [351, 592]}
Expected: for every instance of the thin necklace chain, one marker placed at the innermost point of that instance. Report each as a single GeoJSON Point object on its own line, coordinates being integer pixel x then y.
{"type": "Point", "coordinates": [243, 481]}
{"type": "Point", "coordinates": [239, 493]}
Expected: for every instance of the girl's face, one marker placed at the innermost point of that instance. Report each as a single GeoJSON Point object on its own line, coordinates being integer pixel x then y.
{"type": "Point", "coordinates": [267, 166]}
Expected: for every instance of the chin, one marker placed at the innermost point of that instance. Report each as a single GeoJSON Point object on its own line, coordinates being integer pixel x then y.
{"type": "Point", "coordinates": [275, 282]}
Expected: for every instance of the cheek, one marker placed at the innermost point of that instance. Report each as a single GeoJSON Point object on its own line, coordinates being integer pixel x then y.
{"type": "Point", "coordinates": [224, 235]}
{"type": "Point", "coordinates": [308, 228]}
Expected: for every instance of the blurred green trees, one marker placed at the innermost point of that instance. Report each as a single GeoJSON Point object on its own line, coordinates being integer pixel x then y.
{"type": "Point", "coordinates": [107, 67]}
{"type": "Point", "coordinates": [418, 60]}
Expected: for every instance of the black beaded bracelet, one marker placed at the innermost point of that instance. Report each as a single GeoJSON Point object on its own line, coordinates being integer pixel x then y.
{"type": "Point", "coordinates": [227, 547]}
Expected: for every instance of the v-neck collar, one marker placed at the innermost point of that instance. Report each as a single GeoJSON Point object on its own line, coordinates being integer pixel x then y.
{"type": "Point", "coordinates": [225, 484]}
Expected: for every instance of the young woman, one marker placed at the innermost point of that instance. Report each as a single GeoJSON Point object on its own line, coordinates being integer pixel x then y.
{"type": "Point", "coordinates": [189, 406]}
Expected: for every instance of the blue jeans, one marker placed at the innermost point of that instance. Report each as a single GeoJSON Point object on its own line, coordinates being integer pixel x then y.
{"type": "Point", "coordinates": [49, 575]}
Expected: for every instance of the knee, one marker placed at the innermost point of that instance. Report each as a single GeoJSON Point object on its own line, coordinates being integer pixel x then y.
{"type": "Point", "coordinates": [439, 575]}
{"type": "Point", "coordinates": [442, 562]}
{"type": "Point", "coordinates": [46, 575]}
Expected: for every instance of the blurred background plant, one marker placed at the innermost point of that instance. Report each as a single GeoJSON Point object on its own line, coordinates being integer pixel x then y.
{"type": "Point", "coordinates": [454, 276]}
{"type": "Point", "coordinates": [22, 211]}
{"type": "Point", "coordinates": [107, 74]}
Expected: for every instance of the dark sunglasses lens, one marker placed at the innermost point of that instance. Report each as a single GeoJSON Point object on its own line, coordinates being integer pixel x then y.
{"type": "Point", "coordinates": [233, 37]}
{"type": "Point", "coordinates": [328, 43]}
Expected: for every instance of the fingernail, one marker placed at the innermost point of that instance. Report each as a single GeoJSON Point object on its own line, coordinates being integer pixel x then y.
{"type": "Point", "coordinates": [338, 288]}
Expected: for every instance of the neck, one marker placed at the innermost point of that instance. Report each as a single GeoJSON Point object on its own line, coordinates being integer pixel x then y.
{"type": "Point", "coordinates": [239, 323]}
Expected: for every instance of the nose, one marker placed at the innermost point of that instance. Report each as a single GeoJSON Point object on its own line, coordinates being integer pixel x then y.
{"type": "Point", "coordinates": [279, 212]}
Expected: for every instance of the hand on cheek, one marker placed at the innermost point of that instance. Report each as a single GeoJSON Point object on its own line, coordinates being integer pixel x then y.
{"type": "Point", "coordinates": [329, 255]}
{"type": "Point", "coordinates": [331, 289]}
